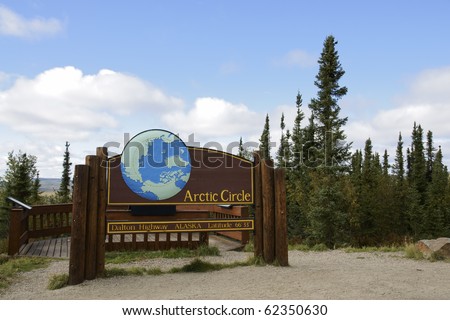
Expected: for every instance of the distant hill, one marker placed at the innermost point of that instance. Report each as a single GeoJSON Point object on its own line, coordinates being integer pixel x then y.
{"type": "Point", "coordinates": [49, 184]}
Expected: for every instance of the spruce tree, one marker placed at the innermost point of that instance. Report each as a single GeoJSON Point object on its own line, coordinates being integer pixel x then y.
{"type": "Point", "coordinates": [241, 148]}
{"type": "Point", "coordinates": [284, 150]}
{"type": "Point", "coordinates": [418, 162]}
{"type": "Point", "coordinates": [20, 177]}
{"type": "Point", "coordinates": [264, 141]}
{"type": "Point", "coordinates": [64, 192]}
{"type": "Point", "coordinates": [430, 150]}
{"type": "Point", "coordinates": [386, 165]}
{"type": "Point", "coordinates": [310, 147]}
{"type": "Point", "coordinates": [35, 191]}
{"type": "Point", "coordinates": [297, 135]}
{"type": "Point", "coordinates": [399, 165]}
{"type": "Point", "coordinates": [325, 108]}
{"type": "Point", "coordinates": [437, 209]}
{"type": "Point", "coordinates": [400, 190]}
{"type": "Point", "coordinates": [417, 183]}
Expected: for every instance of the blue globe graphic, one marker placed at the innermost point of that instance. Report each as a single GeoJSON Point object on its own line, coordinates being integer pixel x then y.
{"type": "Point", "coordinates": [155, 164]}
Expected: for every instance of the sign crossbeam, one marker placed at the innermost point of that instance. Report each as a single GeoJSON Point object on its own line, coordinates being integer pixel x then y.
{"type": "Point", "coordinates": [118, 227]}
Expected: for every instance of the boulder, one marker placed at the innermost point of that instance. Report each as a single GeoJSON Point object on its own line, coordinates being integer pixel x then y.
{"type": "Point", "coordinates": [439, 247]}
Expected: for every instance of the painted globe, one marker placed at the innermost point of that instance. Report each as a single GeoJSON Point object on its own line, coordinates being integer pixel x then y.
{"type": "Point", "coordinates": [155, 164]}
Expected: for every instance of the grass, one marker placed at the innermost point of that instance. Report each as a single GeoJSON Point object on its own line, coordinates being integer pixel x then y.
{"type": "Point", "coordinates": [61, 280]}
{"type": "Point", "coordinates": [199, 265]}
{"type": "Point", "coordinates": [117, 257]}
{"type": "Point", "coordinates": [11, 267]}
{"type": "Point", "coordinates": [374, 249]}
{"type": "Point", "coordinates": [58, 281]}
{"type": "Point", "coordinates": [3, 246]}
{"type": "Point", "coordinates": [412, 252]}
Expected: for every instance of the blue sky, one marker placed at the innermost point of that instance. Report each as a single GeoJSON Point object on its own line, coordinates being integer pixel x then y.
{"type": "Point", "coordinates": [90, 71]}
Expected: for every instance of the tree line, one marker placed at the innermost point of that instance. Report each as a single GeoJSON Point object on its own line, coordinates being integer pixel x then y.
{"type": "Point", "coordinates": [337, 196]}
{"type": "Point", "coordinates": [21, 180]}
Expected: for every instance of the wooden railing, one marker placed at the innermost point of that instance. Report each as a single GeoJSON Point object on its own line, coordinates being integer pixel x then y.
{"type": "Point", "coordinates": [37, 222]}
{"type": "Point", "coordinates": [27, 223]}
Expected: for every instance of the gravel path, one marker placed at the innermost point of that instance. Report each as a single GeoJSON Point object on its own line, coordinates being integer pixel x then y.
{"type": "Point", "coordinates": [311, 275]}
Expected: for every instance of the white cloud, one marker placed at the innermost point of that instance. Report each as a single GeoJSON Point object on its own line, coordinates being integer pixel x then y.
{"type": "Point", "coordinates": [64, 102]}
{"type": "Point", "coordinates": [297, 58]}
{"type": "Point", "coordinates": [427, 102]}
{"type": "Point", "coordinates": [12, 24]}
{"type": "Point", "coordinates": [214, 118]}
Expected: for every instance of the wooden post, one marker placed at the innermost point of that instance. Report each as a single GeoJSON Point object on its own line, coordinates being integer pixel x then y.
{"type": "Point", "coordinates": [15, 223]}
{"type": "Point", "coordinates": [243, 213]}
{"type": "Point", "coordinates": [78, 234]}
{"type": "Point", "coordinates": [102, 153]}
{"type": "Point", "coordinates": [281, 242]}
{"type": "Point", "coordinates": [258, 234]}
{"type": "Point", "coordinates": [91, 221]}
{"type": "Point", "coordinates": [268, 210]}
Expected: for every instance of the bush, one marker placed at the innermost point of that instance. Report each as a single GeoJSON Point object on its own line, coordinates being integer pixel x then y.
{"type": "Point", "coordinates": [58, 281]}
{"type": "Point", "coordinates": [412, 252]}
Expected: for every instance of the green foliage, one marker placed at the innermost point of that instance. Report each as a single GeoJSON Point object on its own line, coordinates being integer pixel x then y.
{"type": "Point", "coordinates": [362, 200]}
{"type": "Point", "coordinates": [58, 281]}
{"type": "Point", "coordinates": [121, 272]}
{"type": "Point", "coordinates": [264, 145]}
{"type": "Point", "coordinates": [64, 193]}
{"type": "Point", "coordinates": [284, 151]}
{"type": "Point", "coordinates": [20, 178]}
{"type": "Point", "coordinates": [334, 152]}
{"type": "Point", "coordinates": [412, 252]}
{"type": "Point", "coordinates": [199, 265]}
{"type": "Point", "coordinates": [375, 249]}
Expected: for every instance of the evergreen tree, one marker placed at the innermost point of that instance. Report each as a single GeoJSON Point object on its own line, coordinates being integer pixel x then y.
{"type": "Point", "coordinates": [35, 191]}
{"type": "Point", "coordinates": [20, 177]}
{"type": "Point", "coordinates": [430, 155]}
{"type": "Point", "coordinates": [386, 165]}
{"type": "Point", "coordinates": [325, 108]}
{"type": "Point", "coordinates": [399, 166]}
{"type": "Point", "coordinates": [418, 163]}
{"type": "Point", "coordinates": [241, 148]}
{"type": "Point", "coordinates": [437, 209]}
{"type": "Point", "coordinates": [367, 200]}
{"type": "Point", "coordinates": [327, 214]}
{"type": "Point", "coordinates": [400, 191]}
{"type": "Point", "coordinates": [310, 147]}
{"type": "Point", "coordinates": [297, 135]}
{"type": "Point", "coordinates": [417, 183]}
{"type": "Point", "coordinates": [64, 192]}
{"type": "Point", "coordinates": [244, 152]}
{"type": "Point", "coordinates": [264, 146]}
{"type": "Point", "coordinates": [284, 150]}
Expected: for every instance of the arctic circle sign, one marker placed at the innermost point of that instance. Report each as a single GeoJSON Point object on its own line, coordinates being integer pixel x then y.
{"type": "Point", "coordinates": [157, 168]}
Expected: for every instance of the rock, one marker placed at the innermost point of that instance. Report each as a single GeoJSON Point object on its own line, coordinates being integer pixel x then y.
{"type": "Point", "coordinates": [439, 247]}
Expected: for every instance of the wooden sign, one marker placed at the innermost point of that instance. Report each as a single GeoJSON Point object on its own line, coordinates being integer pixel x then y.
{"type": "Point", "coordinates": [156, 168]}
{"type": "Point", "coordinates": [180, 226]}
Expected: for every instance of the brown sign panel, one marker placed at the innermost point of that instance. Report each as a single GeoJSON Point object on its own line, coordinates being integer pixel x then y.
{"type": "Point", "coordinates": [180, 226]}
{"type": "Point", "coordinates": [215, 177]}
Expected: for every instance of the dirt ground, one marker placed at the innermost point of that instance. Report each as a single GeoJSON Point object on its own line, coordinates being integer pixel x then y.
{"type": "Point", "coordinates": [311, 275]}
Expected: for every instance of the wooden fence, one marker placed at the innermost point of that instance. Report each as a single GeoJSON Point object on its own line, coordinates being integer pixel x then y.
{"type": "Point", "coordinates": [39, 221]}
{"type": "Point", "coordinates": [42, 221]}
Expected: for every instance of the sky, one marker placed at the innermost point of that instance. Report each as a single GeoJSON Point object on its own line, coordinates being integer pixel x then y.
{"type": "Point", "coordinates": [95, 73]}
